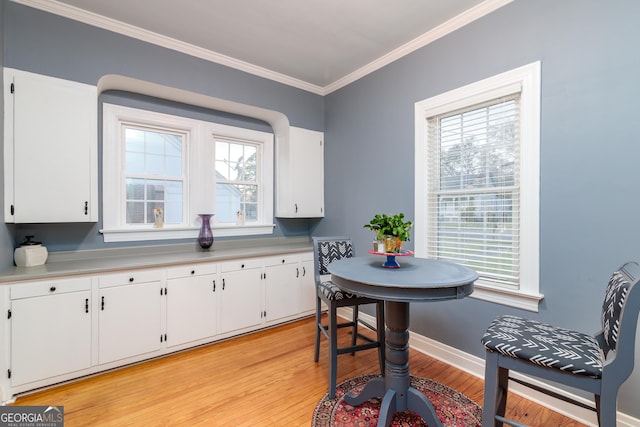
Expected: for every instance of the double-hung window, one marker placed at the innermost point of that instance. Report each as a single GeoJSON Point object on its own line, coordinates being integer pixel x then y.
{"type": "Point", "coordinates": [477, 180]}
{"type": "Point", "coordinates": [160, 171]}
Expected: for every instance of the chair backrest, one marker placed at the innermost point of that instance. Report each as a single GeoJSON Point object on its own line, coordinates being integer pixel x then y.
{"type": "Point", "coordinates": [620, 311]}
{"type": "Point", "coordinates": [329, 249]}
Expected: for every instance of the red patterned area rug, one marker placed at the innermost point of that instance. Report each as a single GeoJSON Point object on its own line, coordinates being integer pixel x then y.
{"type": "Point", "coordinates": [453, 408]}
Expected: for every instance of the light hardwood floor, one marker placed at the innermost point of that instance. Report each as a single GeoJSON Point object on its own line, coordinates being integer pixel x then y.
{"type": "Point", "coordinates": [266, 378]}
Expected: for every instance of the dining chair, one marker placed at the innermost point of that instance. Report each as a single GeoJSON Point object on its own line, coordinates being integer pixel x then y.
{"type": "Point", "coordinates": [598, 363]}
{"type": "Point", "coordinates": [325, 251]}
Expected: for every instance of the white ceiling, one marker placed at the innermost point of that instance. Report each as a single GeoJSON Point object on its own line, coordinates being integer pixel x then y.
{"type": "Point", "coordinates": [316, 45]}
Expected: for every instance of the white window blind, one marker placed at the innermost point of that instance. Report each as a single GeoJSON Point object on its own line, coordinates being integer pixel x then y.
{"type": "Point", "coordinates": [474, 188]}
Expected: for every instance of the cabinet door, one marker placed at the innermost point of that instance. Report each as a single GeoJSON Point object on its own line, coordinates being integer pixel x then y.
{"type": "Point", "coordinates": [50, 335]}
{"type": "Point", "coordinates": [300, 175]}
{"type": "Point", "coordinates": [129, 321]}
{"type": "Point", "coordinates": [191, 308]}
{"type": "Point", "coordinates": [50, 149]}
{"type": "Point", "coordinates": [281, 290]}
{"type": "Point", "coordinates": [307, 156]}
{"type": "Point", "coordinates": [307, 285]}
{"type": "Point", "coordinates": [240, 300]}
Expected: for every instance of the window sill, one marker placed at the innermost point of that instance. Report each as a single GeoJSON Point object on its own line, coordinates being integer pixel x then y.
{"type": "Point", "coordinates": [511, 298]}
{"type": "Point", "coordinates": [148, 234]}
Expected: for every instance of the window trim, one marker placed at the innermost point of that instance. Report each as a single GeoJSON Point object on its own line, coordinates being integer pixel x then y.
{"type": "Point", "coordinates": [527, 80]}
{"type": "Point", "coordinates": [199, 177]}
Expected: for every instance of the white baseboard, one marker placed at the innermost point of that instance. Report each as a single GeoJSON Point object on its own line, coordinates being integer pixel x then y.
{"type": "Point", "coordinates": [475, 366]}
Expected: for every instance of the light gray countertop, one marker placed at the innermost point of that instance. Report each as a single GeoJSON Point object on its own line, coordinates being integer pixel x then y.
{"type": "Point", "coordinates": [74, 263]}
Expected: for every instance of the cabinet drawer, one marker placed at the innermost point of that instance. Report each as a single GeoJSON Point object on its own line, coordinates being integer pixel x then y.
{"type": "Point", "coordinates": [282, 259]}
{"type": "Point", "coordinates": [130, 278]}
{"type": "Point", "coordinates": [307, 256]}
{"type": "Point", "coordinates": [242, 264]}
{"type": "Point", "coordinates": [50, 287]}
{"type": "Point", "coordinates": [192, 270]}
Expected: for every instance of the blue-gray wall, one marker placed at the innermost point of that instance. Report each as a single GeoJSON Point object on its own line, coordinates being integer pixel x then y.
{"type": "Point", "coordinates": [589, 189]}
{"type": "Point", "coordinates": [52, 45]}
{"type": "Point", "coordinates": [589, 192]}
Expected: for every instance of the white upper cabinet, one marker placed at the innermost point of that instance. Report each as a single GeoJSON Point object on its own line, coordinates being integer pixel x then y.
{"type": "Point", "coordinates": [50, 149]}
{"type": "Point", "coordinates": [300, 174]}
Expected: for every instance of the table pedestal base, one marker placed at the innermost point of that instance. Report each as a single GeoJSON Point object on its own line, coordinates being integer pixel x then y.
{"type": "Point", "coordinates": [395, 390]}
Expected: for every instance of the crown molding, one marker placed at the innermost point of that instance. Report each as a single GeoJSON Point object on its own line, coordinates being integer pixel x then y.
{"type": "Point", "coordinates": [459, 21]}
{"type": "Point", "coordinates": [90, 18]}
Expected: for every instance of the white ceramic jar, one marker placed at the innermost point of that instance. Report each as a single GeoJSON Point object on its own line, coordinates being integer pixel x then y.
{"type": "Point", "coordinates": [30, 253]}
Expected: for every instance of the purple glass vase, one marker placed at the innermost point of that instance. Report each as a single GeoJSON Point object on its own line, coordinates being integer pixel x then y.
{"type": "Point", "coordinates": [205, 237]}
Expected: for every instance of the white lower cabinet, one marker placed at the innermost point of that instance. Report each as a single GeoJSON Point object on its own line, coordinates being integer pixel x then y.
{"type": "Point", "coordinates": [192, 303]}
{"type": "Point", "coordinates": [64, 328]}
{"type": "Point", "coordinates": [281, 287]}
{"type": "Point", "coordinates": [307, 284]}
{"type": "Point", "coordinates": [50, 324]}
{"type": "Point", "coordinates": [129, 318]}
{"type": "Point", "coordinates": [241, 295]}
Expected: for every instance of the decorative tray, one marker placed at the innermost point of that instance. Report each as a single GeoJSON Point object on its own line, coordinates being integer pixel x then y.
{"type": "Point", "coordinates": [391, 257]}
{"type": "Point", "coordinates": [401, 253]}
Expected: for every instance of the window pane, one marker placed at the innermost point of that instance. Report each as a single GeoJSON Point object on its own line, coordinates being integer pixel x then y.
{"type": "Point", "coordinates": [135, 189]}
{"type": "Point", "coordinates": [155, 143]}
{"type": "Point", "coordinates": [155, 164]}
{"type": "Point", "coordinates": [134, 162]}
{"type": "Point", "coordinates": [135, 212]}
{"type": "Point", "coordinates": [173, 191]}
{"type": "Point", "coordinates": [155, 190]}
{"type": "Point", "coordinates": [173, 146]}
{"type": "Point", "coordinates": [250, 211]}
{"type": "Point", "coordinates": [143, 196]}
{"type": "Point", "coordinates": [236, 159]}
{"type": "Point", "coordinates": [249, 166]}
{"type": "Point", "coordinates": [173, 212]}
{"type": "Point", "coordinates": [134, 140]}
{"type": "Point", "coordinates": [173, 166]}
{"type": "Point", "coordinates": [231, 198]}
{"type": "Point", "coordinates": [250, 193]}
{"type": "Point", "coordinates": [222, 159]}
{"type": "Point", "coordinates": [228, 199]}
{"type": "Point", "coordinates": [153, 152]}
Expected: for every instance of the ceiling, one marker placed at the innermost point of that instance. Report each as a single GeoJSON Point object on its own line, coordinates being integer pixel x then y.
{"type": "Point", "coordinates": [316, 45]}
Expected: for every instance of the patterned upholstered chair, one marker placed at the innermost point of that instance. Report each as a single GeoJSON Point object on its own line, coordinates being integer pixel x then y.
{"type": "Point", "coordinates": [597, 364]}
{"type": "Point", "coordinates": [325, 251]}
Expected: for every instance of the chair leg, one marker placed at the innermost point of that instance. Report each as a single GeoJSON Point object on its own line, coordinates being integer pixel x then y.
{"type": "Point", "coordinates": [496, 384]}
{"type": "Point", "coordinates": [333, 350]}
{"type": "Point", "coordinates": [381, 331]}
{"type": "Point", "coordinates": [316, 357]}
{"type": "Point", "coordinates": [354, 328]}
{"type": "Point", "coordinates": [606, 408]}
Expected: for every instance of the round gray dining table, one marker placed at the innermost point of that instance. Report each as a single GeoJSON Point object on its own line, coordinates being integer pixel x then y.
{"type": "Point", "coordinates": [417, 279]}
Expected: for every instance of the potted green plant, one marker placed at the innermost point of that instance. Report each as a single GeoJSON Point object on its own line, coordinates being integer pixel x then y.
{"type": "Point", "coordinates": [391, 231]}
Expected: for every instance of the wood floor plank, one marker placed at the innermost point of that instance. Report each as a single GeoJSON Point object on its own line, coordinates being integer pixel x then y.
{"type": "Point", "coordinates": [266, 378]}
